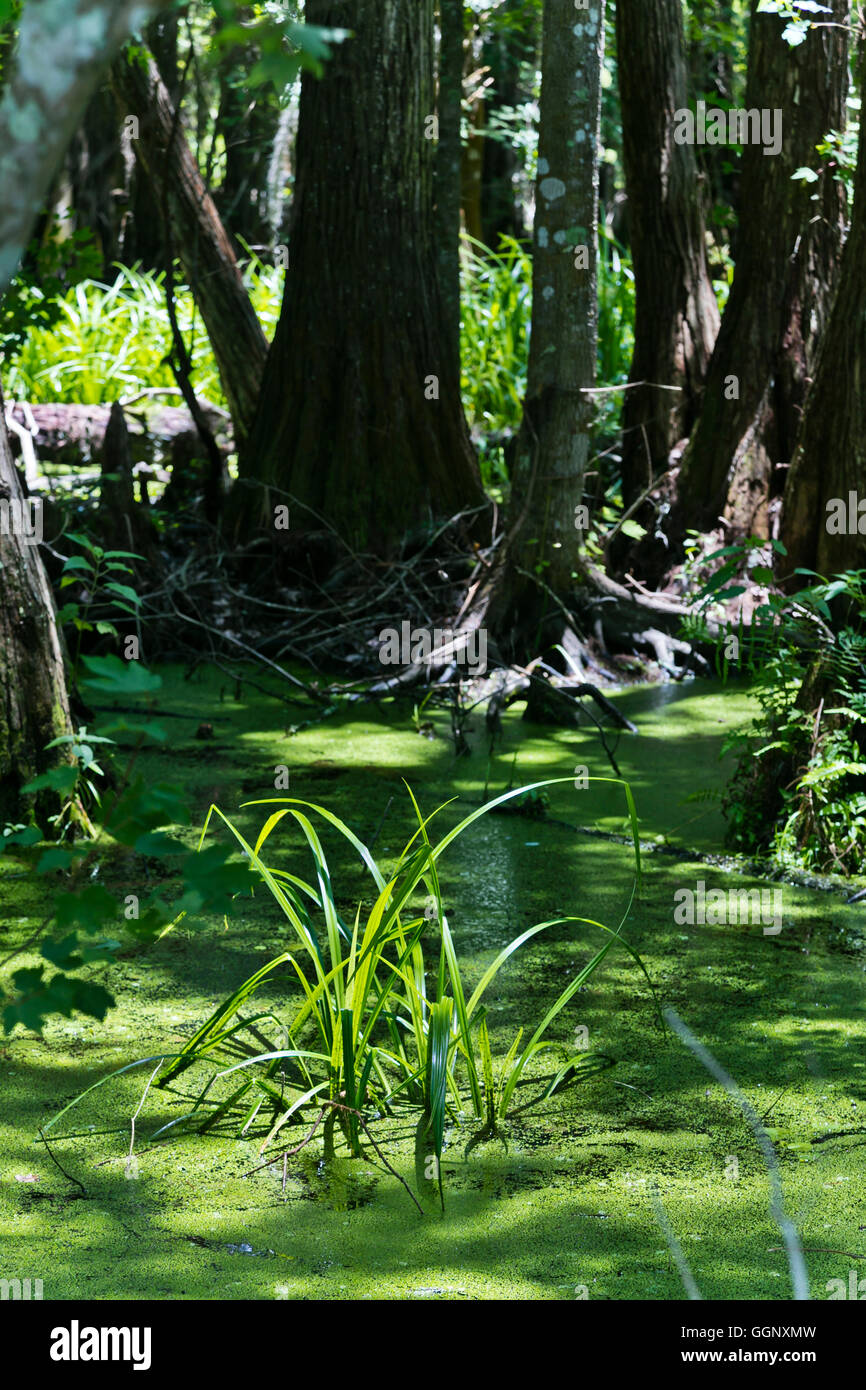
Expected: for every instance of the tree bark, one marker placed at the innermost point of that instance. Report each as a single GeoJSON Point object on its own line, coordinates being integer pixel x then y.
{"type": "Point", "coordinates": [34, 708]}
{"type": "Point", "coordinates": [72, 41]}
{"type": "Point", "coordinates": [787, 255]}
{"type": "Point", "coordinates": [361, 419]}
{"type": "Point", "coordinates": [552, 448]}
{"type": "Point", "coordinates": [449, 153]}
{"type": "Point", "coordinates": [97, 173]}
{"type": "Point", "coordinates": [198, 236]}
{"type": "Point", "coordinates": [830, 459]}
{"type": "Point", "coordinates": [63, 47]}
{"type": "Point", "coordinates": [676, 315]}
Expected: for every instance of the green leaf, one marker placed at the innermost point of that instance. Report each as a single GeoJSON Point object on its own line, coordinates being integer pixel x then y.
{"type": "Point", "coordinates": [111, 676]}
{"type": "Point", "coordinates": [26, 836]}
{"type": "Point", "coordinates": [62, 994]}
{"type": "Point", "coordinates": [58, 779]}
{"type": "Point", "coordinates": [158, 844]}
{"type": "Point", "coordinates": [85, 541]}
{"type": "Point", "coordinates": [143, 808]}
{"type": "Point", "coordinates": [89, 908]}
{"type": "Point", "coordinates": [211, 883]}
{"type": "Point", "coordinates": [54, 858]}
{"type": "Point", "coordinates": [137, 728]}
{"type": "Point", "coordinates": [794, 34]}
{"type": "Point", "coordinates": [63, 954]}
{"type": "Point", "coordinates": [78, 738]}
{"type": "Point", "coordinates": [123, 590]}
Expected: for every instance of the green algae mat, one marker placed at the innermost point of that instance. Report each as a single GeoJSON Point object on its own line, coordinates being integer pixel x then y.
{"type": "Point", "coordinates": [566, 1203]}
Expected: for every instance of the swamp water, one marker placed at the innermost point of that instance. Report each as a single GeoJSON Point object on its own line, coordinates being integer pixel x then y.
{"type": "Point", "coordinates": [566, 1210]}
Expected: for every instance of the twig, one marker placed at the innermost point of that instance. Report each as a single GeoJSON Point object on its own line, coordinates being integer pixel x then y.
{"type": "Point", "coordinates": [289, 1153]}
{"type": "Point", "coordinates": [136, 1115]}
{"type": "Point", "coordinates": [59, 1165]}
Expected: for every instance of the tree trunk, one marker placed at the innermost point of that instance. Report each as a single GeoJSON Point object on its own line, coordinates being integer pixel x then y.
{"type": "Point", "coordinates": [110, 193]}
{"type": "Point", "coordinates": [829, 464]}
{"type": "Point", "coordinates": [198, 238]}
{"type": "Point", "coordinates": [361, 418]}
{"type": "Point", "coordinates": [97, 174]}
{"type": "Point", "coordinates": [473, 149]}
{"type": "Point", "coordinates": [787, 254]}
{"type": "Point", "coordinates": [34, 708]}
{"type": "Point", "coordinates": [552, 448]}
{"type": "Point", "coordinates": [676, 315]}
{"type": "Point", "coordinates": [63, 47]}
{"type": "Point", "coordinates": [70, 41]}
{"type": "Point", "coordinates": [449, 153]}
{"type": "Point", "coordinates": [143, 238]}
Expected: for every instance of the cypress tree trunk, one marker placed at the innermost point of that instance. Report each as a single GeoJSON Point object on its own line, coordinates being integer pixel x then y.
{"type": "Point", "coordinates": [830, 460]}
{"type": "Point", "coordinates": [198, 236]}
{"type": "Point", "coordinates": [360, 417]}
{"type": "Point", "coordinates": [70, 42]}
{"type": "Point", "coordinates": [143, 232]}
{"type": "Point", "coordinates": [787, 256]}
{"type": "Point", "coordinates": [676, 315]}
{"type": "Point", "coordinates": [552, 447]}
{"type": "Point", "coordinates": [97, 174]}
{"type": "Point", "coordinates": [449, 152]}
{"type": "Point", "coordinates": [34, 708]}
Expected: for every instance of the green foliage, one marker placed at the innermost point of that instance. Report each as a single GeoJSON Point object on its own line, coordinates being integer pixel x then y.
{"type": "Point", "coordinates": [54, 267]}
{"type": "Point", "coordinates": [102, 595]}
{"type": "Point", "coordinates": [496, 320]}
{"type": "Point", "coordinates": [496, 313]}
{"type": "Point", "coordinates": [615, 325]}
{"type": "Point", "coordinates": [836, 154]}
{"type": "Point", "coordinates": [799, 790]}
{"type": "Point", "coordinates": [286, 47]}
{"type": "Point", "coordinates": [85, 916]}
{"type": "Point", "coordinates": [98, 340]}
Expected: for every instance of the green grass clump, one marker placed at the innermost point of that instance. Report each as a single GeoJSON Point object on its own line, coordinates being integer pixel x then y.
{"type": "Point", "coordinates": [385, 1025]}
{"type": "Point", "coordinates": [114, 340]}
